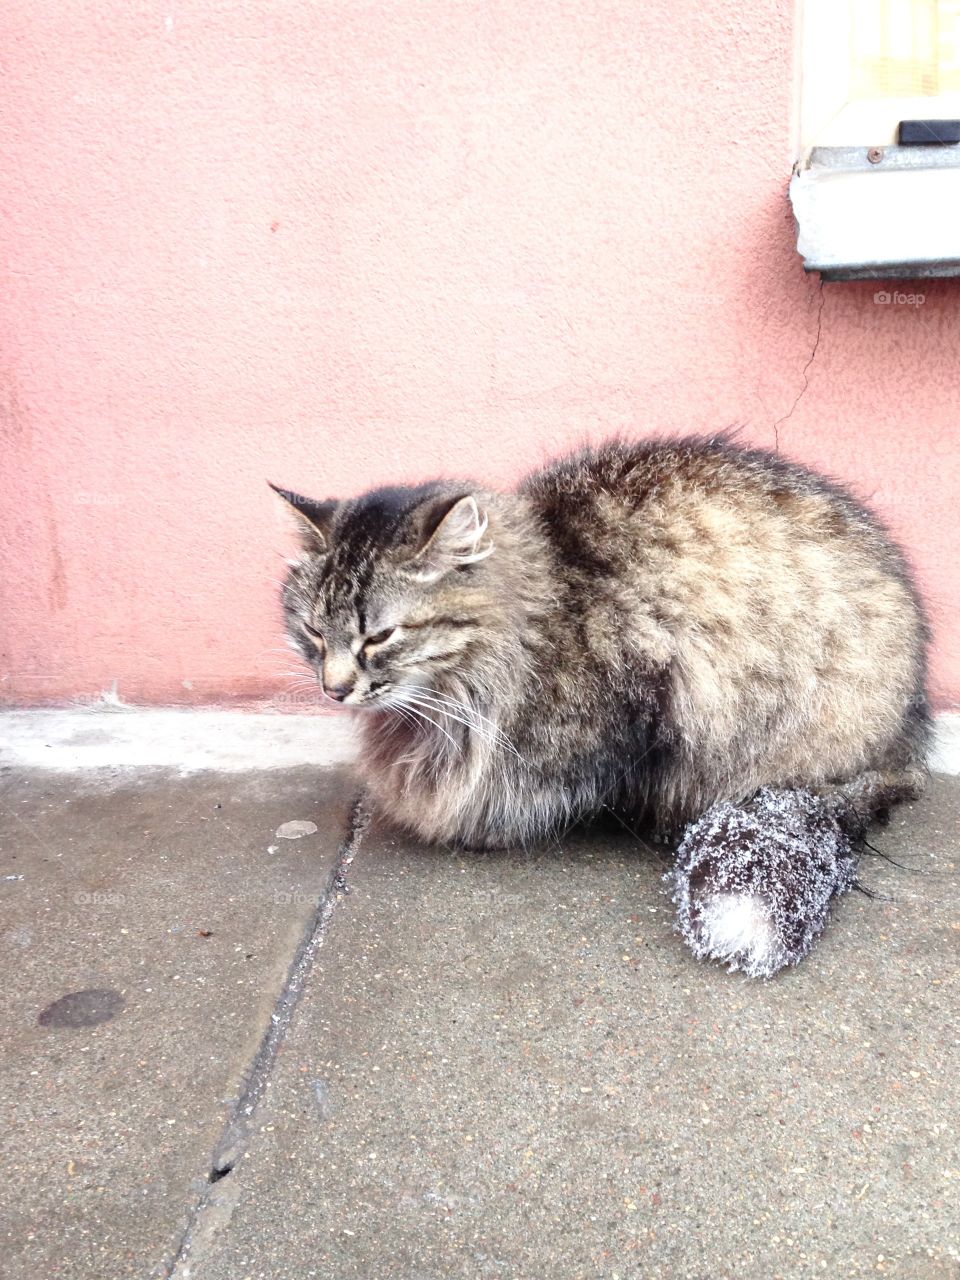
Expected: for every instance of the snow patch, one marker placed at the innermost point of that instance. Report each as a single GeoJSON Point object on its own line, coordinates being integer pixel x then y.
{"type": "Point", "coordinates": [183, 740]}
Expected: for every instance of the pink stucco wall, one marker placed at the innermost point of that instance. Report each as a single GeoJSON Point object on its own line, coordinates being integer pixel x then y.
{"type": "Point", "coordinates": [349, 241]}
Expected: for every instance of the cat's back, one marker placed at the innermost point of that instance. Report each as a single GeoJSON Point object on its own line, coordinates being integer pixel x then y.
{"type": "Point", "coordinates": [703, 502]}
{"type": "Point", "coordinates": [780, 609]}
{"type": "Point", "coordinates": [696, 473]}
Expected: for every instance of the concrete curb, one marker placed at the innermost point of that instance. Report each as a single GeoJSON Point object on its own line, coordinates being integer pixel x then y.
{"type": "Point", "coordinates": [190, 740]}
{"type": "Point", "coordinates": [186, 740]}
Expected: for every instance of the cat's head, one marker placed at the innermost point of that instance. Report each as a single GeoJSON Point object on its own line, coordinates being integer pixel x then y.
{"type": "Point", "coordinates": [392, 590]}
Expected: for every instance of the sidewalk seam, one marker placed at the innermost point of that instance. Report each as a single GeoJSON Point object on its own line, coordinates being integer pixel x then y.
{"type": "Point", "coordinates": [233, 1141]}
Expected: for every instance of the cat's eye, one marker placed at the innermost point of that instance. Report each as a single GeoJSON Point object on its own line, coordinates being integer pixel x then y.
{"type": "Point", "coordinates": [381, 637]}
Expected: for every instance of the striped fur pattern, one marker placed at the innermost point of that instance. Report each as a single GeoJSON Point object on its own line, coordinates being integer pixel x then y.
{"type": "Point", "coordinates": [648, 628]}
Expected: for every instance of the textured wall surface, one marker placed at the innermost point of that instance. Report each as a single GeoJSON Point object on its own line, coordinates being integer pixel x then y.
{"type": "Point", "coordinates": [344, 242]}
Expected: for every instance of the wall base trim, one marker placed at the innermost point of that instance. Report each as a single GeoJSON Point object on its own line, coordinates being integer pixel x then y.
{"type": "Point", "coordinates": [190, 740]}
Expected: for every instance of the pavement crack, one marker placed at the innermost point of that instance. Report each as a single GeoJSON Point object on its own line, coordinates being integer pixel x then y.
{"type": "Point", "coordinates": [805, 372]}
{"type": "Point", "coordinates": [236, 1134]}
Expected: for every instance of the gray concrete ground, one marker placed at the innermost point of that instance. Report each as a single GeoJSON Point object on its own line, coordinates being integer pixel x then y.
{"type": "Point", "coordinates": [399, 1062]}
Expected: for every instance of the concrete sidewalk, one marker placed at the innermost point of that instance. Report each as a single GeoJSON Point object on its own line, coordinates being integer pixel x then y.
{"type": "Point", "coordinates": [333, 1053]}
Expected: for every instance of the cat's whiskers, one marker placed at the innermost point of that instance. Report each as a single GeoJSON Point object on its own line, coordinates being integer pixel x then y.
{"type": "Point", "coordinates": [418, 711]}
{"type": "Point", "coordinates": [300, 676]}
{"type": "Point", "coordinates": [417, 699]}
{"type": "Point", "coordinates": [402, 714]}
{"type": "Point", "coordinates": [471, 718]}
{"type": "Point", "coordinates": [405, 715]}
{"type": "Point", "coordinates": [469, 710]}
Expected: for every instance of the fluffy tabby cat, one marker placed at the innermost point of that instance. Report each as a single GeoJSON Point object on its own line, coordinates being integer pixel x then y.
{"type": "Point", "coordinates": [649, 628]}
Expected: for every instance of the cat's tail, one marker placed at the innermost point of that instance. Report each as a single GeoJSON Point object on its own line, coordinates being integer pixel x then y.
{"type": "Point", "coordinates": [870, 797]}
{"type": "Point", "coordinates": [753, 882]}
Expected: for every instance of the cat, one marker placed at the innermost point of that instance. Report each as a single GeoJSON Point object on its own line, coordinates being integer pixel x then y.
{"type": "Point", "coordinates": [646, 628]}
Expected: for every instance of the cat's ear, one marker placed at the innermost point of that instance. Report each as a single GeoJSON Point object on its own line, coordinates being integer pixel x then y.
{"type": "Point", "coordinates": [313, 518]}
{"type": "Point", "coordinates": [453, 534]}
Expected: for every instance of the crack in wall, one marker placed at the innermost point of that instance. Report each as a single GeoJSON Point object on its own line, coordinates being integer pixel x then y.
{"type": "Point", "coordinates": [233, 1142]}
{"type": "Point", "coordinates": [806, 370]}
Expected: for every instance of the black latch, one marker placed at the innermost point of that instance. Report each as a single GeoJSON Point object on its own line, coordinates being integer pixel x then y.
{"type": "Point", "coordinates": [929, 133]}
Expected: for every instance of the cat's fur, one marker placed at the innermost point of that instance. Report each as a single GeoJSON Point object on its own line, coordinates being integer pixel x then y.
{"type": "Point", "coordinates": [645, 627]}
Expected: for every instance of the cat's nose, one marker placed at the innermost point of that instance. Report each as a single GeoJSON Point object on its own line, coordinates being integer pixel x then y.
{"type": "Point", "coordinates": [339, 674]}
{"type": "Point", "coordinates": [338, 691]}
